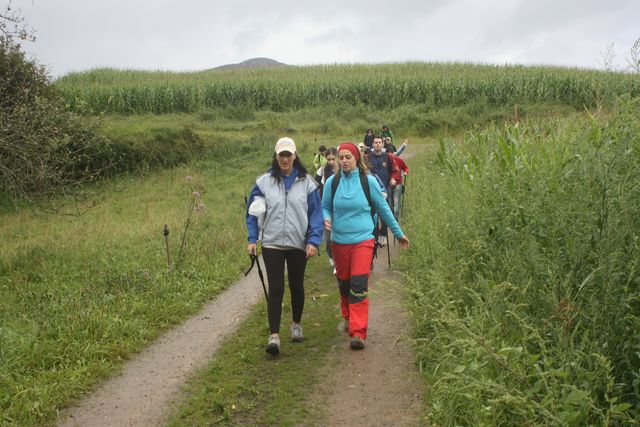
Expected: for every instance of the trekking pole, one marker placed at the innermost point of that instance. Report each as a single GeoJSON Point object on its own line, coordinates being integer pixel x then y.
{"type": "Point", "coordinates": [255, 261]}
{"type": "Point", "coordinates": [392, 194]}
{"type": "Point", "coordinates": [404, 190]}
{"type": "Point", "coordinates": [388, 249]}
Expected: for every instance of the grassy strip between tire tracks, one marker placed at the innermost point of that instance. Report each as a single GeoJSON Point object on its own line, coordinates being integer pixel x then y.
{"type": "Point", "coordinates": [245, 386]}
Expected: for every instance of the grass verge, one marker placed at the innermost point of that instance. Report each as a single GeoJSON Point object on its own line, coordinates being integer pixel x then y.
{"type": "Point", "coordinates": [245, 386]}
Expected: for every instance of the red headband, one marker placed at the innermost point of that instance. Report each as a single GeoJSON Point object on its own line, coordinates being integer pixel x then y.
{"type": "Point", "coordinates": [351, 147]}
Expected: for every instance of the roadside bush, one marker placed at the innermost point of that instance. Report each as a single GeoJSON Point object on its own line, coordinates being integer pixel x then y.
{"type": "Point", "coordinates": [43, 148]}
{"type": "Point", "coordinates": [160, 147]}
{"type": "Point", "coordinates": [46, 150]}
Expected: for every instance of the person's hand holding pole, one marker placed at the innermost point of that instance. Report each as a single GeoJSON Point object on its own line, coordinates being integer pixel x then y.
{"type": "Point", "coordinates": [253, 249]}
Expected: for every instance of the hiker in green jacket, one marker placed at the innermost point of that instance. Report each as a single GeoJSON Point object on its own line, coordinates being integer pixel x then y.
{"type": "Point", "coordinates": [386, 132]}
{"type": "Point", "coordinates": [320, 159]}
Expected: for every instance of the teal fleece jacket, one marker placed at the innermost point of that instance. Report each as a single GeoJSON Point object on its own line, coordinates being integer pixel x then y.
{"type": "Point", "coordinates": [350, 213]}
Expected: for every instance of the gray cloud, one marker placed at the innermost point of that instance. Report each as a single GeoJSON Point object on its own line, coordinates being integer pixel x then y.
{"type": "Point", "coordinates": [199, 34]}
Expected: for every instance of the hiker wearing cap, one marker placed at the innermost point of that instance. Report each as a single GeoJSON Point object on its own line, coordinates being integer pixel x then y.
{"type": "Point", "coordinates": [384, 166]}
{"type": "Point", "coordinates": [347, 209]}
{"type": "Point", "coordinates": [388, 144]}
{"type": "Point", "coordinates": [387, 133]}
{"type": "Point", "coordinates": [291, 233]}
{"type": "Point", "coordinates": [368, 138]}
{"type": "Point", "coordinates": [319, 158]}
{"type": "Point", "coordinates": [324, 172]}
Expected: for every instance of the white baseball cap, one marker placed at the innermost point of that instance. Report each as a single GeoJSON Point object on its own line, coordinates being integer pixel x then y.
{"type": "Point", "coordinates": [285, 144]}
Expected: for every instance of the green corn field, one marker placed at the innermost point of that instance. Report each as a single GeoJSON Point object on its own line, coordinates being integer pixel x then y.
{"type": "Point", "coordinates": [380, 86]}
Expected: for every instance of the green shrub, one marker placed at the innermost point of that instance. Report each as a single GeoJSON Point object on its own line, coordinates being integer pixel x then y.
{"type": "Point", "coordinates": [526, 287]}
{"type": "Point", "coordinates": [43, 148]}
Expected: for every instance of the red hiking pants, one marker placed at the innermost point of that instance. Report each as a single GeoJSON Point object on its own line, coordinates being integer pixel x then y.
{"type": "Point", "coordinates": [353, 265]}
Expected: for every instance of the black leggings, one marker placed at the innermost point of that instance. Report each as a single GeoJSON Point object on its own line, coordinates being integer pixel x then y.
{"type": "Point", "coordinates": [274, 260]}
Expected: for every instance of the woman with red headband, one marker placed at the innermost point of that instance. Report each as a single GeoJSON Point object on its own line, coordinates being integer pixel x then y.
{"type": "Point", "coordinates": [348, 215]}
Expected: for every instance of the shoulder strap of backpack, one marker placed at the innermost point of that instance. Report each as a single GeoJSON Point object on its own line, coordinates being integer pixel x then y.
{"type": "Point", "coordinates": [367, 191]}
{"type": "Point", "coordinates": [364, 181]}
{"type": "Point", "coordinates": [334, 187]}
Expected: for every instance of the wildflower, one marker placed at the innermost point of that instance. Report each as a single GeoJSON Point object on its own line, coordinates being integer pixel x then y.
{"type": "Point", "coordinates": [200, 208]}
{"type": "Point", "coordinates": [189, 178]}
{"type": "Point", "coordinates": [196, 194]}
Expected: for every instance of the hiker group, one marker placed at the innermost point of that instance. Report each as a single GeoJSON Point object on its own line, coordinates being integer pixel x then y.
{"type": "Point", "coordinates": [351, 201]}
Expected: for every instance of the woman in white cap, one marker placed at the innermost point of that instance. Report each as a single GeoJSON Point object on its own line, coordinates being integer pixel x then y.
{"type": "Point", "coordinates": [291, 232]}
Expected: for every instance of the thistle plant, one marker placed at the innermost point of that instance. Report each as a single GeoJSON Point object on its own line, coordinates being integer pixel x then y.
{"type": "Point", "coordinates": [195, 204]}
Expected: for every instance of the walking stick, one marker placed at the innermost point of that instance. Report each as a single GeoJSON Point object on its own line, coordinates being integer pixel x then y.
{"type": "Point", "coordinates": [255, 261]}
{"type": "Point", "coordinates": [165, 232]}
{"type": "Point", "coordinates": [404, 190]}
{"type": "Point", "coordinates": [392, 193]}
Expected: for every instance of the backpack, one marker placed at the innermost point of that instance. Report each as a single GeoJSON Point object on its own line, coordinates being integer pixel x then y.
{"type": "Point", "coordinates": [367, 193]}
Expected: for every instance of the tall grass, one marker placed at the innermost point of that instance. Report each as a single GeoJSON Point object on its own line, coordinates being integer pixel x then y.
{"type": "Point", "coordinates": [377, 85]}
{"type": "Point", "coordinates": [525, 273]}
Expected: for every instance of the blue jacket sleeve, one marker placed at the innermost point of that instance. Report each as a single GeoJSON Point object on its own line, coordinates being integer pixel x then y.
{"type": "Point", "coordinates": [383, 209]}
{"type": "Point", "coordinates": [252, 221]}
{"type": "Point", "coordinates": [316, 224]}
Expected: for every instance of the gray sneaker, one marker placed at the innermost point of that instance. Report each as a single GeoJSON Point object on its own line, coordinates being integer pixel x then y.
{"type": "Point", "coordinates": [296, 333]}
{"type": "Point", "coordinates": [273, 346]}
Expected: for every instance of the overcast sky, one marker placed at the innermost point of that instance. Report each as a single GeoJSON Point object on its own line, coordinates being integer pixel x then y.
{"type": "Point", "coordinates": [184, 35]}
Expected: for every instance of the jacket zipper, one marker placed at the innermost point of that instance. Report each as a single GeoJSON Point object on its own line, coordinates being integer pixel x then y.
{"type": "Point", "coordinates": [286, 203]}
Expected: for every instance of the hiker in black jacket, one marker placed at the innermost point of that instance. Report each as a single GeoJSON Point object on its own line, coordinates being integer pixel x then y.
{"type": "Point", "coordinates": [368, 138]}
{"type": "Point", "coordinates": [383, 165]}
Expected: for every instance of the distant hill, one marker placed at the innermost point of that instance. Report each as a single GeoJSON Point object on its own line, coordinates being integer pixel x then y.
{"type": "Point", "coordinates": [252, 63]}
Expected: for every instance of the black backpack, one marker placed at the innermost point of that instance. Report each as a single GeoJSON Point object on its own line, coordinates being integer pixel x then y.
{"type": "Point", "coordinates": [367, 193]}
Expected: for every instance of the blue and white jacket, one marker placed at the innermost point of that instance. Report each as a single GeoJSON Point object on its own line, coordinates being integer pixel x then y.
{"type": "Point", "coordinates": [294, 212]}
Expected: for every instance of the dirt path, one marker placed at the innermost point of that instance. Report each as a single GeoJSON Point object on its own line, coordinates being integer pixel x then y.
{"type": "Point", "coordinates": [378, 386]}
{"type": "Point", "coordinates": [151, 381]}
